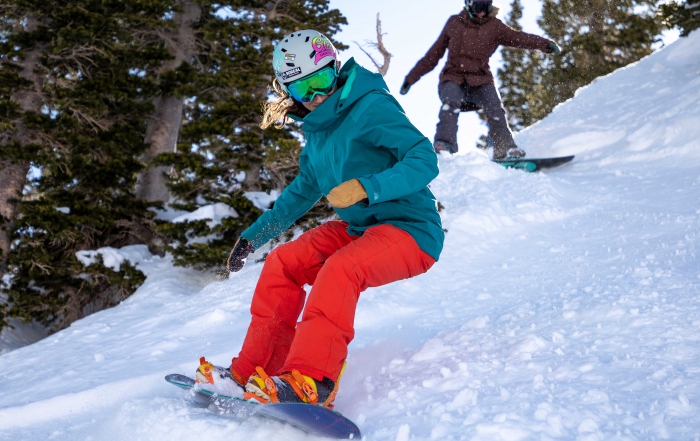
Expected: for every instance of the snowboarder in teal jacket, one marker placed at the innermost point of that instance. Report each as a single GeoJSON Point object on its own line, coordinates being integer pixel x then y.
{"type": "Point", "coordinates": [362, 133]}
{"type": "Point", "coordinates": [364, 155]}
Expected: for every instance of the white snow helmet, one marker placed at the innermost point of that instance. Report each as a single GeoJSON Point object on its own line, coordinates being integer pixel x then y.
{"type": "Point", "coordinates": [302, 53]}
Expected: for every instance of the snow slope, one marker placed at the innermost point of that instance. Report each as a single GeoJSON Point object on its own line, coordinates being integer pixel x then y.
{"type": "Point", "coordinates": [565, 304]}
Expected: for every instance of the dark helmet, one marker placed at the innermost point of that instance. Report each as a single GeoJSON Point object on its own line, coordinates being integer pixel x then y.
{"type": "Point", "coordinates": [476, 6]}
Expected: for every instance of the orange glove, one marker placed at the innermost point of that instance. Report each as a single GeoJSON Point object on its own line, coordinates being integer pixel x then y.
{"type": "Point", "coordinates": [346, 194]}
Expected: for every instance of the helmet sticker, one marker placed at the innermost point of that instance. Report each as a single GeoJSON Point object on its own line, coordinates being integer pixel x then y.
{"type": "Point", "coordinates": [291, 73]}
{"type": "Point", "coordinates": [291, 58]}
{"type": "Point", "coordinates": [277, 59]}
{"type": "Point", "coordinates": [323, 48]}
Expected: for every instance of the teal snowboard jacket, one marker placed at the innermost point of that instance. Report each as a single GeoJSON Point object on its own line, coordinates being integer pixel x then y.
{"type": "Point", "coordinates": [361, 132]}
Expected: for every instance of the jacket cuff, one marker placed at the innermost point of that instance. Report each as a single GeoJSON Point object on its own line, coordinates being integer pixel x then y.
{"type": "Point", "coordinates": [250, 237]}
{"type": "Point", "coordinates": [372, 188]}
{"type": "Point", "coordinates": [412, 78]}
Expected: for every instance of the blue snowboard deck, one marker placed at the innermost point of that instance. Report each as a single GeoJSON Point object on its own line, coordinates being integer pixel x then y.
{"type": "Point", "coordinates": [533, 164]}
{"type": "Point", "coordinates": [310, 418]}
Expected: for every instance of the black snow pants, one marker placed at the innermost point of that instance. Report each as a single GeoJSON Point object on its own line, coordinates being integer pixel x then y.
{"type": "Point", "coordinates": [485, 97]}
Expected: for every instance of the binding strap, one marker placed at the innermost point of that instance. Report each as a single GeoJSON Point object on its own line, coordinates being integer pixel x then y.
{"type": "Point", "coordinates": [269, 384]}
{"type": "Point", "coordinates": [308, 390]}
{"type": "Point", "coordinates": [265, 385]}
{"type": "Point", "coordinates": [204, 371]}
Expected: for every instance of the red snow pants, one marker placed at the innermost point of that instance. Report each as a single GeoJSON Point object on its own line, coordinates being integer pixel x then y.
{"type": "Point", "coordinates": [339, 267]}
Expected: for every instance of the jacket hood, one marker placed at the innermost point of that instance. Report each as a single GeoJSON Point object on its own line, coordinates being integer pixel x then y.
{"type": "Point", "coordinates": [355, 82]}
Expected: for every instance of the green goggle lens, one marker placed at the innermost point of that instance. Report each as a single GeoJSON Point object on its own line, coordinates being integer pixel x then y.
{"type": "Point", "coordinates": [318, 83]}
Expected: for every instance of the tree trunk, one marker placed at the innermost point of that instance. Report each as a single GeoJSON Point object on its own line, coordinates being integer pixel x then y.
{"type": "Point", "coordinates": [12, 177]}
{"type": "Point", "coordinates": [161, 133]}
{"type": "Point", "coordinates": [270, 13]}
{"type": "Point", "coordinates": [163, 130]}
{"type": "Point", "coordinates": [13, 174]}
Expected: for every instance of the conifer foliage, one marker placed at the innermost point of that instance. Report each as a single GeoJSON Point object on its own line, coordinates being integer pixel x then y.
{"type": "Point", "coordinates": [82, 140]}
{"type": "Point", "coordinates": [92, 92]}
{"type": "Point", "coordinates": [682, 15]}
{"type": "Point", "coordinates": [596, 36]}
{"type": "Point", "coordinates": [519, 76]}
{"type": "Point", "coordinates": [223, 155]}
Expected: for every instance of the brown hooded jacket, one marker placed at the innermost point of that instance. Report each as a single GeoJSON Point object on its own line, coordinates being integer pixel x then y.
{"type": "Point", "coordinates": [471, 42]}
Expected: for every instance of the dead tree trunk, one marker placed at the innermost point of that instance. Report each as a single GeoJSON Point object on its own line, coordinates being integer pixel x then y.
{"type": "Point", "coordinates": [163, 130]}
{"type": "Point", "coordinates": [13, 174]}
{"type": "Point", "coordinates": [379, 45]}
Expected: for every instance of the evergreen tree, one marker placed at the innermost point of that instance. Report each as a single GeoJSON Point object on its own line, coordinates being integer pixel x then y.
{"type": "Point", "coordinates": [518, 76]}
{"type": "Point", "coordinates": [20, 91]}
{"type": "Point", "coordinates": [685, 16]}
{"type": "Point", "coordinates": [597, 37]}
{"type": "Point", "coordinates": [105, 81]}
{"type": "Point", "coordinates": [96, 61]}
{"type": "Point", "coordinates": [222, 152]}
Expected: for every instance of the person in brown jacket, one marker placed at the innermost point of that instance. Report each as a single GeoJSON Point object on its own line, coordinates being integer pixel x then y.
{"type": "Point", "coordinates": [471, 37]}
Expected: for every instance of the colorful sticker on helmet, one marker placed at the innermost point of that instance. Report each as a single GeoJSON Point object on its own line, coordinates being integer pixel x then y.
{"type": "Point", "coordinates": [291, 73]}
{"type": "Point", "coordinates": [323, 48]}
{"type": "Point", "coordinates": [277, 59]}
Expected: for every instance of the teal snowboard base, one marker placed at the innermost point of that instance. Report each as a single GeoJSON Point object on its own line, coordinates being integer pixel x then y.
{"type": "Point", "coordinates": [316, 420]}
{"type": "Point", "coordinates": [533, 164]}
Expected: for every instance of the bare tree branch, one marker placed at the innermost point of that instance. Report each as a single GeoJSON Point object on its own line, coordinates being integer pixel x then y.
{"type": "Point", "coordinates": [379, 45]}
{"type": "Point", "coordinates": [74, 63]}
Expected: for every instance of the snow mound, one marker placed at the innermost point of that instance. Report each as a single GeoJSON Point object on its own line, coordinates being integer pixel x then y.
{"type": "Point", "coordinates": [213, 213]}
{"type": "Point", "coordinates": [261, 199]}
{"type": "Point", "coordinates": [114, 258]}
{"type": "Point", "coordinates": [643, 112]}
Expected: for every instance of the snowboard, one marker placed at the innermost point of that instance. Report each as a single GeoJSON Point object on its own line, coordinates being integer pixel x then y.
{"type": "Point", "coordinates": [310, 418]}
{"type": "Point", "coordinates": [533, 164]}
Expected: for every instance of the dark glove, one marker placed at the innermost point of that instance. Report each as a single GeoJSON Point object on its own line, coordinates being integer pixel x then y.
{"type": "Point", "coordinates": [404, 88]}
{"type": "Point", "coordinates": [553, 48]}
{"type": "Point", "coordinates": [238, 255]}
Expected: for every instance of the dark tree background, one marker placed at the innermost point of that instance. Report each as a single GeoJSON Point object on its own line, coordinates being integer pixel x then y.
{"type": "Point", "coordinates": [682, 15]}
{"type": "Point", "coordinates": [79, 135]}
{"type": "Point", "coordinates": [222, 153]}
{"type": "Point", "coordinates": [596, 36]}
{"type": "Point", "coordinates": [111, 110]}
{"type": "Point", "coordinates": [519, 77]}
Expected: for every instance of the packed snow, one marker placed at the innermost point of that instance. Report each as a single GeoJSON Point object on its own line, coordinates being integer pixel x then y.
{"type": "Point", "coordinates": [262, 200]}
{"type": "Point", "coordinates": [211, 213]}
{"type": "Point", "coordinates": [113, 257]}
{"type": "Point", "coordinates": [565, 304]}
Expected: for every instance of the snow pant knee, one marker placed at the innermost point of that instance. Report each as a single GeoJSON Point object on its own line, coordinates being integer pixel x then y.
{"type": "Point", "coordinates": [488, 99]}
{"type": "Point", "coordinates": [485, 97]}
{"type": "Point", "coordinates": [451, 95]}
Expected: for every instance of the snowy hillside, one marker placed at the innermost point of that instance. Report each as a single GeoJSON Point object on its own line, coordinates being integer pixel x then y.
{"type": "Point", "coordinates": [565, 304]}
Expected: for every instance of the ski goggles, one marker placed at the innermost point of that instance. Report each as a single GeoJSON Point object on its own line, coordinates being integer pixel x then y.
{"type": "Point", "coordinates": [321, 82]}
{"type": "Point", "coordinates": [477, 7]}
